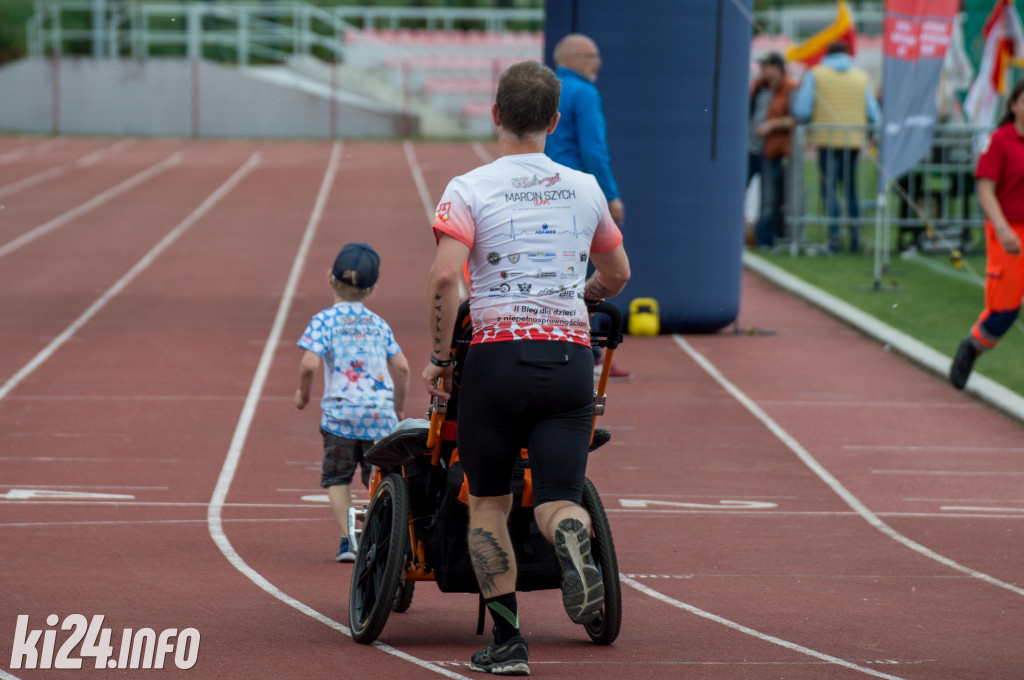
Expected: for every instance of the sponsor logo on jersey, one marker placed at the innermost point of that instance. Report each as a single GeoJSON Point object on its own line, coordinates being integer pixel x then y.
{"type": "Point", "coordinates": [527, 182]}
{"type": "Point", "coordinates": [540, 257]}
{"type": "Point", "coordinates": [540, 197]}
{"type": "Point", "coordinates": [545, 230]}
{"type": "Point", "coordinates": [525, 287]}
{"type": "Point", "coordinates": [443, 211]}
{"type": "Point", "coordinates": [513, 258]}
{"type": "Point", "coordinates": [493, 257]}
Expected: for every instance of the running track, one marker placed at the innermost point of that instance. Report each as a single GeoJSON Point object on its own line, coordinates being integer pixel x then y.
{"type": "Point", "coordinates": [801, 506]}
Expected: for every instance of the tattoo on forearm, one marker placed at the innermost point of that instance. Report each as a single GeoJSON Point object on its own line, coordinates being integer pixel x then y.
{"type": "Point", "coordinates": [437, 323]}
{"type": "Point", "coordinates": [490, 561]}
{"type": "Point", "coordinates": [595, 288]}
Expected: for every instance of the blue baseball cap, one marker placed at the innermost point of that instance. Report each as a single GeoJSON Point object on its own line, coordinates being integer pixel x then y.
{"type": "Point", "coordinates": [357, 264]}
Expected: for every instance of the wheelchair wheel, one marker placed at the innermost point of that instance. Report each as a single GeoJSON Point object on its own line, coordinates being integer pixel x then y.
{"type": "Point", "coordinates": [381, 559]}
{"type": "Point", "coordinates": [605, 629]}
{"type": "Point", "coordinates": [403, 598]}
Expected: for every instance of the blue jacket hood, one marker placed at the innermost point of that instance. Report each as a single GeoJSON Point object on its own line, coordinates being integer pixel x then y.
{"type": "Point", "coordinates": [838, 61]}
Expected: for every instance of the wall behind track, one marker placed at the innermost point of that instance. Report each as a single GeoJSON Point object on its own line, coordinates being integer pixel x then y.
{"type": "Point", "coordinates": [170, 97]}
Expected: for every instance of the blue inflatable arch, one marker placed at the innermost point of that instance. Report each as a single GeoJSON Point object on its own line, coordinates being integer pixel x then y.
{"type": "Point", "coordinates": [674, 81]}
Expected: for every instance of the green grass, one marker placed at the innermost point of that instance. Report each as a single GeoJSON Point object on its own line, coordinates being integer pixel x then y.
{"type": "Point", "coordinates": [933, 302]}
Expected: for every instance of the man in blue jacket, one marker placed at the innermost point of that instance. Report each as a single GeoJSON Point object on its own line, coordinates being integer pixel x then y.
{"type": "Point", "coordinates": [580, 141]}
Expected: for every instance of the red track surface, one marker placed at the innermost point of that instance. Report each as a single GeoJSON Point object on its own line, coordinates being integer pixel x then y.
{"type": "Point", "coordinates": [145, 397]}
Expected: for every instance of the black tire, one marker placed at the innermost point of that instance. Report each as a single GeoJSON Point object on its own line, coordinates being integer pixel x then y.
{"type": "Point", "coordinates": [605, 629]}
{"type": "Point", "coordinates": [380, 561]}
{"type": "Point", "coordinates": [403, 598]}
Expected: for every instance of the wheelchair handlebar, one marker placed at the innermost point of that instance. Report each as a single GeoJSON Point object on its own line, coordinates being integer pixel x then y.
{"type": "Point", "coordinates": [613, 336]}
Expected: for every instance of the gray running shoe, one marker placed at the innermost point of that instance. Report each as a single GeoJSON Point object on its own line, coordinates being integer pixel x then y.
{"type": "Point", "coordinates": [582, 586]}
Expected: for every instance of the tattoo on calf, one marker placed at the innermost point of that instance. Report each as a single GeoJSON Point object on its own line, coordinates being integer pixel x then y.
{"type": "Point", "coordinates": [490, 561]}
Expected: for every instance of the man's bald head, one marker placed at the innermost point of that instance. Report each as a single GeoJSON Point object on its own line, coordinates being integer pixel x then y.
{"type": "Point", "coordinates": [578, 53]}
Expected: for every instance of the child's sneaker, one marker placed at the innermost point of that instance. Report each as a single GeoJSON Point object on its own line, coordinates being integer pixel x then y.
{"type": "Point", "coordinates": [582, 586]}
{"type": "Point", "coordinates": [510, 658]}
{"type": "Point", "coordinates": [345, 553]}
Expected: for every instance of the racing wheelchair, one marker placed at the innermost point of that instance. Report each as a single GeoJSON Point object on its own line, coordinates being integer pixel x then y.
{"type": "Point", "coordinates": [415, 525]}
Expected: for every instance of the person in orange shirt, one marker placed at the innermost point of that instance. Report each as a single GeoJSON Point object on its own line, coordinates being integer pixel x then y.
{"type": "Point", "coordinates": [1000, 176]}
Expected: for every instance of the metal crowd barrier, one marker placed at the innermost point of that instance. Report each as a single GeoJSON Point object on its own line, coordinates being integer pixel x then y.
{"type": "Point", "coordinates": [932, 207]}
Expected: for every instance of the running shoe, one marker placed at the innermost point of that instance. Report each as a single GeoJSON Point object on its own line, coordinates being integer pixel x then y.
{"type": "Point", "coordinates": [963, 363]}
{"type": "Point", "coordinates": [582, 586]}
{"type": "Point", "coordinates": [510, 658]}
{"type": "Point", "coordinates": [615, 374]}
{"type": "Point", "coordinates": [345, 553]}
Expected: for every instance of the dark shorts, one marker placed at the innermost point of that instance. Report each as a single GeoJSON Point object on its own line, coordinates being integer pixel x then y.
{"type": "Point", "coordinates": [341, 456]}
{"type": "Point", "coordinates": [531, 394]}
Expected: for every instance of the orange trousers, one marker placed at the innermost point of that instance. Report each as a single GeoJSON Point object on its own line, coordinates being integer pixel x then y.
{"type": "Point", "coordinates": [1004, 289]}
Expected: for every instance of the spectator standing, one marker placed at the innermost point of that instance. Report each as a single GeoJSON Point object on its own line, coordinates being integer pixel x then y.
{"type": "Point", "coordinates": [580, 140]}
{"type": "Point", "coordinates": [1000, 181]}
{"type": "Point", "coordinates": [366, 377]}
{"type": "Point", "coordinates": [835, 93]}
{"type": "Point", "coordinates": [770, 142]}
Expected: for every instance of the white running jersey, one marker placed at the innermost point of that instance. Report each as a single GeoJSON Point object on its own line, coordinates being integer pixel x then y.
{"type": "Point", "coordinates": [530, 225]}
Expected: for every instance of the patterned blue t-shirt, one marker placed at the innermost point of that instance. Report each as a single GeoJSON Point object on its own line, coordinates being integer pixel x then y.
{"type": "Point", "coordinates": [355, 345]}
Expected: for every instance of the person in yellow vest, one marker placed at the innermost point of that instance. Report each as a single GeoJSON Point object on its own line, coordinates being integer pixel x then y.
{"type": "Point", "coordinates": [838, 97]}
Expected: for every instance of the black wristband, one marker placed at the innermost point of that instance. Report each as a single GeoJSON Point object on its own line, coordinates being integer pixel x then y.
{"type": "Point", "coordinates": [437, 362]}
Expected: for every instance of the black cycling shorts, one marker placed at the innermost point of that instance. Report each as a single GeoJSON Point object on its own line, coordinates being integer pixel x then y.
{"type": "Point", "coordinates": [532, 394]}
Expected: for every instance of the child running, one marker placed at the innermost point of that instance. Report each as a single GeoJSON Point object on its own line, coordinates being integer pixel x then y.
{"type": "Point", "coordinates": [366, 377]}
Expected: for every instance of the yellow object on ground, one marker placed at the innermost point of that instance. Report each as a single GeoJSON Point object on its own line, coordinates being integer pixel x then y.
{"type": "Point", "coordinates": [643, 317]}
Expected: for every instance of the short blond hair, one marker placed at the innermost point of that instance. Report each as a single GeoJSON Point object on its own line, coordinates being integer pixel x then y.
{"type": "Point", "coordinates": [348, 292]}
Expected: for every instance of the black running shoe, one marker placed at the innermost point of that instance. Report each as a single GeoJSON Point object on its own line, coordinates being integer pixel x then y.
{"type": "Point", "coordinates": [963, 363]}
{"type": "Point", "coordinates": [511, 658]}
{"type": "Point", "coordinates": [582, 586]}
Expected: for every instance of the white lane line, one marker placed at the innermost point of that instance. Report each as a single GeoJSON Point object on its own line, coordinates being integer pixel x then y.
{"type": "Point", "coordinates": [98, 155]}
{"type": "Point", "coordinates": [963, 500]}
{"type": "Point", "coordinates": [139, 267]}
{"type": "Point", "coordinates": [887, 405]}
{"type": "Point", "coordinates": [313, 505]}
{"type": "Point", "coordinates": [481, 152]}
{"type": "Point", "coordinates": [948, 473]}
{"type": "Point", "coordinates": [73, 459]}
{"type": "Point", "coordinates": [965, 449]}
{"type": "Point", "coordinates": [32, 180]}
{"type": "Point", "coordinates": [135, 397]}
{"type": "Point", "coordinates": [794, 513]}
{"type": "Point", "coordinates": [968, 508]}
{"type": "Point", "coordinates": [91, 204]}
{"type": "Point", "coordinates": [177, 522]}
{"type": "Point", "coordinates": [417, 177]}
{"type": "Point", "coordinates": [428, 205]}
{"type": "Point", "coordinates": [750, 631]}
{"type": "Point", "coordinates": [40, 177]}
{"type": "Point", "coordinates": [214, 518]}
{"type": "Point", "coordinates": [825, 476]}
{"type": "Point", "coordinates": [82, 486]}
{"type": "Point", "coordinates": [163, 504]}
{"type": "Point", "coordinates": [18, 154]}
{"type": "Point", "coordinates": [616, 666]}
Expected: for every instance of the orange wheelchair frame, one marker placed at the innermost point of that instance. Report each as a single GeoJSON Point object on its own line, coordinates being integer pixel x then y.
{"type": "Point", "coordinates": [392, 553]}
